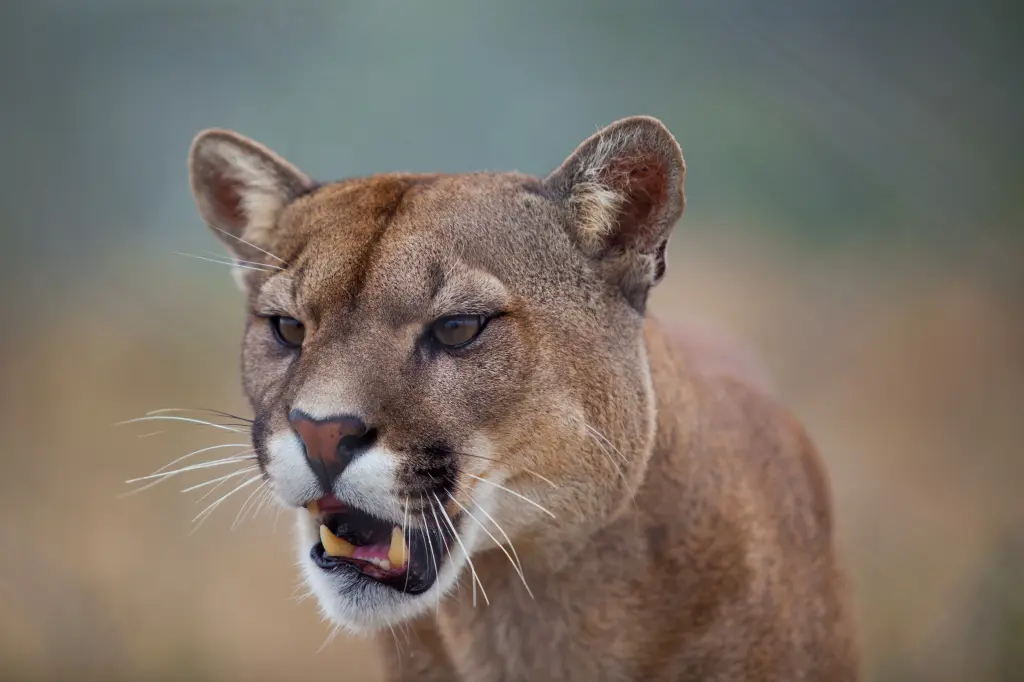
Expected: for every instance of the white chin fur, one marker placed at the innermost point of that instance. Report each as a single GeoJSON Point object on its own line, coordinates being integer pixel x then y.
{"type": "Point", "coordinates": [360, 606]}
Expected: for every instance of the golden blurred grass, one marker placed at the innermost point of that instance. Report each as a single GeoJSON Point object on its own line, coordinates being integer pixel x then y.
{"type": "Point", "coordinates": [910, 377]}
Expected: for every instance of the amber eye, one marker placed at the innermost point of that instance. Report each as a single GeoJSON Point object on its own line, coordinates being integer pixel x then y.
{"type": "Point", "coordinates": [288, 331]}
{"type": "Point", "coordinates": [457, 330]}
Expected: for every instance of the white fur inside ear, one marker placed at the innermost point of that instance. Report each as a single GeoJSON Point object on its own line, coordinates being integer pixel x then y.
{"type": "Point", "coordinates": [595, 203]}
{"type": "Point", "coordinates": [261, 193]}
{"type": "Point", "coordinates": [596, 208]}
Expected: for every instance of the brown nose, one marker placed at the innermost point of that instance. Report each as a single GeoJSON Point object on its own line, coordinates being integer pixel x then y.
{"type": "Point", "coordinates": [332, 443]}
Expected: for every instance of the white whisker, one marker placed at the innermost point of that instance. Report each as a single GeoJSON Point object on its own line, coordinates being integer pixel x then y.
{"type": "Point", "coordinates": [407, 540]}
{"type": "Point", "coordinates": [192, 467]}
{"type": "Point", "coordinates": [546, 480]}
{"type": "Point", "coordinates": [232, 264]}
{"type": "Point", "coordinates": [214, 254]}
{"type": "Point", "coordinates": [200, 451]}
{"type": "Point", "coordinates": [240, 515]}
{"type": "Point", "coordinates": [151, 433]}
{"type": "Point", "coordinates": [219, 413]}
{"type": "Point", "coordinates": [600, 435]}
{"type": "Point", "coordinates": [277, 517]}
{"type": "Point", "coordinates": [444, 540]}
{"type": "Point", "coordinates": [618, 469]}
{"type": "Point", "coordinates": [180, 419]}
{"type": "Point", "coordinates": [264, 498]}
{"type": "Point", "coordinates": [398, 646]}
{"type": "Point", "coordinates": [299, 598]}
{"type": "Point", "coordinates": [160, 478]}
{"type": "Point", "coordinates": [458, 539]}
{"type": "Point", "coordinates": [512, 492]}
{"type": "Point", "coordinates": [331, 635]}
{"type": "Point", "coordinates": [516, 568]}
{"type": "Point", "coordinates": [279, 260]}
{"type": "Point", "coordinates": [430, 546]}
{"type": "Point", "coordinates": [206, 513]}
{"type": "Point", "coordinates": [220, 480]}
{"type": "Point", "coordinates": [496, 525]}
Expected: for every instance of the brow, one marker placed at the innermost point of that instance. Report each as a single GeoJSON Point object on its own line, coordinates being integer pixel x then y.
{"type": "Point", "coordinates": [277, 295]}
{"type": "Point", "coordinates": [469, 290]}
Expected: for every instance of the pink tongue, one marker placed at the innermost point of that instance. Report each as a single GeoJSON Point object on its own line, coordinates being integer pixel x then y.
{"type": "Point", "coordinates": [371, 552]}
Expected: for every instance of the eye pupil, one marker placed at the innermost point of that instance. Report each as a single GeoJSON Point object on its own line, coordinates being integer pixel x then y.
{"type": "Point", "coordinates": [457, 330]}
{"type": "Point", "coordinates": [288, 331]}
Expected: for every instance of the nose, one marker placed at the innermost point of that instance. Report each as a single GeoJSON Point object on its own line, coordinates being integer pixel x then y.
{"type": "Point", "coordinates": [331, 443]}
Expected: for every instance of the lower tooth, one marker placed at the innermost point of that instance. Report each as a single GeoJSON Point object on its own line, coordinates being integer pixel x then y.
{"type": "Point", "coordinates": [398, 552]}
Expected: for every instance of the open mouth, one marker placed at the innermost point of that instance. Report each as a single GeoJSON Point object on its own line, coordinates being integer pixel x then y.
{"type": "Point", "coordinates": [351, 539]}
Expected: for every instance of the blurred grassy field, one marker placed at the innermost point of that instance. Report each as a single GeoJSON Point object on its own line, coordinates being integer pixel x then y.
{"type": "Point", "coordinates": [909, 373]}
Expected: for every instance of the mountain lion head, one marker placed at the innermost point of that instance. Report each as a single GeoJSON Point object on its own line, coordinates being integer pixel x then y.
{"type": "Point", "coordinates": [445, 365]}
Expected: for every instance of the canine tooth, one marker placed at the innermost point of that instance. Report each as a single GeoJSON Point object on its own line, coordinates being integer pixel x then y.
{"type": "Point", "coordinates": [313, 508]}
{"type": "Point", "coordinates": [398, 553]}
{"type": "Point", "coordinates": [335, 546]}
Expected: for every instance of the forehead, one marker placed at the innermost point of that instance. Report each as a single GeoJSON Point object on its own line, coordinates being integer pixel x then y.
{"type": "Point", "coordinates": [404, 237]}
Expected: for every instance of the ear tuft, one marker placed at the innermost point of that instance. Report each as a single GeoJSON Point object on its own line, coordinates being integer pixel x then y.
{"type": "Point", "coordinates": [241, 187]}
{"type": "Point", "coordinates": [624, 186]}
{"type": "Point", "coordinates": [596, 208]}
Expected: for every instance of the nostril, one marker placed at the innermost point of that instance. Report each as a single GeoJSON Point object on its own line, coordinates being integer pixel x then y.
{"type": "Point", "coordinates": [350, 426]}
{"type": "Point", "coordinates": [355, 442]}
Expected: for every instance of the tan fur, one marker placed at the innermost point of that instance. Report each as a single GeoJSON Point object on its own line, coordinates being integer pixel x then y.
{"type": "Point", "coordinates": [692, 530]}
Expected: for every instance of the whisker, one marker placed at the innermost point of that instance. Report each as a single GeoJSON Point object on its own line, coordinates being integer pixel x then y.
{"type": "Point", "coordinates": [267, 495]}
{"type": "Point", "coordinates": [206, 513]}
{"type": "Point", "coordinates": [406, 539]}
{"type": "Point", "coordinates": [299, 598]}
{"type": "Point", "coordinates": [179, 419]}
{"type": "Point", "coordinates": [472, 568]}
{"type": "Point", "coordinates": [496, 525]}
{"type": "Point", "coordinates": [512, 492]}
{"type": "Point", "coordinates": [221, 413]}
{"type": "Point", "coordinates": [618, 469]}
{"type": "Point", "coordinates": [214, 254]}
{"type": "Point", "coordinates": [222, 262]}
{"type": "Point", "coordinates": [600, 435]}
{"type": "Point", "coordinates": [160, 478]}
{"type": "Point", "coordinates": [192, 467]}
{"type": "Point", "coordinates": [277, 517]}
{"type": "Point", "coordinates": [398, 646]}
{"type": "Point", "coordinates": [280, 260]}
{"type": "Point", "coordinates": [330, 636]}
{"type": "Point", "coordinates": [517, 569]}
{"type": "Point", "coordinates": [200, 451]}
{"type": "Point", "coordinates": [239, 515]}
{"type": "Point", "coordinates": [525, 470]}
{"type": "Point", "coordinates": [219, 481]}
{"type": "Point", "coordinates": [546, 480]}
{"type": "Point", "coordinates": [430, 546]}
{"type": "Point", "coordinates": [440, 532]}
{"type": "Point", "coordinates": [147, 435]}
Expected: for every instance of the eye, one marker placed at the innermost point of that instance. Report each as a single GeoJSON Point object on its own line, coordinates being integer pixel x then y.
{"type": "Point", "coordinates": [288, 331]}
{"type": "Point", "coordinates": [457, 330]}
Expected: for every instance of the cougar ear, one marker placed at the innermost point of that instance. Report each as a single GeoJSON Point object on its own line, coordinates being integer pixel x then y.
{"type": "Point", "coordinates": [624, 186]}
{"type": "Point", "coordinates": [241, 187]}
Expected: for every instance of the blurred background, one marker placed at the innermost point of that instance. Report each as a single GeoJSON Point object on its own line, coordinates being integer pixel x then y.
{"type": "Point", "coordinates": [855, 216]}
